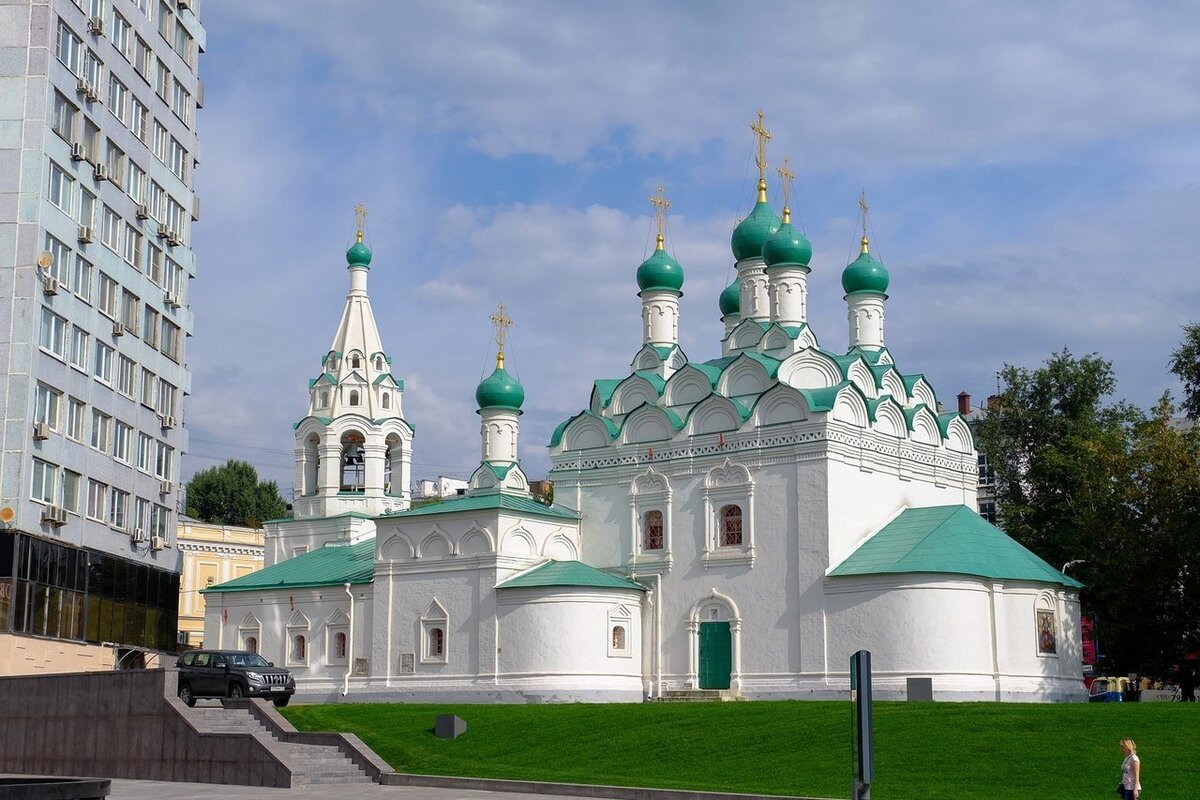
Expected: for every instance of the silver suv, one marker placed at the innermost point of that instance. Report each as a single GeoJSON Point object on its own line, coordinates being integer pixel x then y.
{"type": "Point", "coordinates": [234, 674]}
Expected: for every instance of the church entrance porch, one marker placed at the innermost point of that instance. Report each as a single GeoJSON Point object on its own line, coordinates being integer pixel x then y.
{"type": "Point", "coordinates": [716, 655]}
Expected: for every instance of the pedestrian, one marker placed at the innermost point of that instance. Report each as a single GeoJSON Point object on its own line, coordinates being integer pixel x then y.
{"type": "Point", "coordinates": [1187, 681]}
{"type": "Point", "coordinates": [1130, 787]}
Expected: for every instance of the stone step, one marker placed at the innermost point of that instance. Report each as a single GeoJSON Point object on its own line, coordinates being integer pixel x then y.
{"type": "Point", "coordinates": [698, 696]}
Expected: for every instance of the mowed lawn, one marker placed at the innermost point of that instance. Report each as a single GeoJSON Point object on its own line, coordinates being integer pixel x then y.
{"type": "Point", "coordinates": [924, 751]}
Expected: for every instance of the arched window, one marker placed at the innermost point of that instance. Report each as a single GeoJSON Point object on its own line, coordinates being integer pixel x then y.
{"type": "Point", "coordinates": [387, 400]}
{"type": "Point", "coordinates": [731, 525]}
{"type": "Point", "coordinates": [299, 649]}
{"type": "Point", "coordinates": [312, 463]}
{"type": "Point", "coordinates": [355, 362]}
{"type": "Point", "coordinates": [353, 462]}
{"type": "Point", "coordinates": [324, 399]}
{"type": "Point", "coordinates": [354, 397]}
{"type": "Point", "coordinates": [618, 637]}
{"type": "Point", "coordinates": [252, 644]}
{"type": "Point", "coordinates": [379, 363]}
{"type": "Point", "coordinates": [652, 530]}
{"type": "Point", "coordinates": [339, 645]}
{"type": "Point", "coordinates": [437, 642]}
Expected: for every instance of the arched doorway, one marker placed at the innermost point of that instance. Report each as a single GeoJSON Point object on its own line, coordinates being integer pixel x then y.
{"type": "Point", "coordinates": [715, 632]}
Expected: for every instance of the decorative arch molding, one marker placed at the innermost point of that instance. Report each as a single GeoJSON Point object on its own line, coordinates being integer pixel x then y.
{"type": "Point", "coordinates": [435, 634]}
{"type": "Point", "coordinates": [777, 338]}
{"type": "Point", "coordinates": [810, 369]}
{"type": "Point", "coordinates": [958, 436]}
{"type": "Point", "coordinates": [338, 618]}
{"type": "Point", "coordinates": [922, 392]}
{"type": "Point", "coordinates": [647, 423]}
{"type": "Point", "coordinates": [631, 393]}
{"type": "Point", "coordinates": [476, 541]}
{"type": "Point", "coordinates": [687, 386]}
{"type": "Point", "coordinates": [747, 334]}
{"type": "Point", "coordinates": [727, 475]}
{"type": "Point", "coordinates": [726, 611]}
{"type": "Point", "coordinates": [397, 547]}
{"type": "Point", "coordinates": [436, 545]}
{"type": "Point", "coordinates": [518, 542]}
{"type": "Point", "coordinates": [296, 642]}
{"type": "Point", "coordinates": [889, 419]}
{"type": "Point", "coordinates": [250, 621]}
{"type": "Point", "coordinates": [860, 375]}
{"type": "Point", "coordinates": [620, 632]}
{"type": "Point", "coordinates": [891, 383]}
{"type": "Point", "coordinates": [742, 377]}
{"type": "Point", "coordinates": [714, 414]}
{"type": "Point", "coordinates": [337, 641]}
{"type": "Point", "coordinates": [780, 404]}
{"type": "Point", "coordinates": [850, 406]}
{"type": "Point", "coordinates": [585, 432]}
{"type": "Point", "coordinates": [925, 428]}
{"type": "Point", "coordinates": [560, 547]}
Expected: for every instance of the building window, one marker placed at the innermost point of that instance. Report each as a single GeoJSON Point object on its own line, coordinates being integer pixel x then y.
{"type": "Point", "coordinates": [434, 622]}
{"type": "Point", "coordinates": [54, 334]}
{"type": "Point", "coordinates": [339, 646]}
{"type": "Point", "coordinates": [110, 230]}
{"type": "Point", "coordinates": [618, 637]}
{"type": "Point", "coordinates": [70, 491]}
{"type": "Point", "coordinates": [122, 448]}
{"type": "Point", "coordinates": [354, 361]}
{"type": "Point", "coordinates": [386, 400]}
{"type": "Point", "coordinates": [652, 530]}
{"type": "Point", "coordinates": [118, 99]}
{"type": "Point", "coordinates": [108, 296]}
{"type": "Point", "coordinates": [97, 500]}
{"type": "Point", "coordinates": [730, 519]}
{"type": "Point", "coordinates": [101, 430]}
{"type": "Point", "coordinates": [79, 348]}
{"type": "Point", "coordinates": [75, 419]}
{"type": "Point", "coordinates": [86, 211]}
{"type": "Point", "coordinates": [104, 362]}
{"type": "Point", "coordinates": [46, 403]}
{"type": "Point", "coordinates": [354, 398]}
{"type": "Point", "coordinates": [126, 376]}
{"type": "Point", "coordinates": [59, 191]}
{"type": "Point", "coordinates": [45, 480]}
{"type": "Point", "coordinates": [118, 508]}
{"type": "Point", "coordinates": [252, 644]}
{"type": "Point", "coordinates": [299, 648]}
{"type": "Point", "coordinates": [69, 49]}
{"type": "Point", "coordinates": [145, 452]}
{"type": "Point", "coordinates": [987, 475]}
{"type": "Point", "coordinates": [65, 114]}
{"type": "Point", "coordinates": [987, 510]}
{"type": "Point", "coordinates": [437, 643]}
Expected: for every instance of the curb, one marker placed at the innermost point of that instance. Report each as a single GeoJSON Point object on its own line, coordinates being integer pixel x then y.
{"type": "Point", "coordinates": [570, 789]}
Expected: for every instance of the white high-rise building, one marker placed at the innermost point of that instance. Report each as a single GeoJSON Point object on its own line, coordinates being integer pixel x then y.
{"type": "Point", "coordinates": [98, 147]}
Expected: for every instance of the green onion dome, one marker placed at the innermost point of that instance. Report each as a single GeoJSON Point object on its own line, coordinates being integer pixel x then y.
{"type": "Point", "coordinates": [752, 233]}
{"type": "Point", "coordinates": [787, 247]}
{"type": "Point", "coordinates": [731, 299]}
{"type": "Point", "coordinates": [865, 273]}
{"type": "Point", "coordinates": [359, 255]}
{"type": "Point", "coordinates": [500, 390]}
{"type": "Point", "coordinates": [660, 271]}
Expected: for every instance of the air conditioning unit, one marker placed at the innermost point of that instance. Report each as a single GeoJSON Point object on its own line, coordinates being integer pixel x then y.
{"type": "Point", "coordinates": [183, 4]}
{"type": "Point", "coordinates": [158, 543]}
{"type": "Point", "coordinates": [118, 329]}
{"type": "Point", "coordinates": [92, 93]}
{"type": "Point", "coordinates": [173, 300]}
{"type": "Point", "coordinates": [165, 487]}
{"type": "Point", "coordinates": [163, 231]}
{"type": "Point", "coordinates": [167, 421]}
{"type": "Point", "coordinates": [50, 286]}
{"type": "Point", "coordinates": [96, 25]}
{"type": "Point", "coordinates": [78, 151]}
{"type": "Point", "coordinates": [143, 212]}
{"type": "Point", "coordinates": [86, 234]}
{"type": "Point", "coordinates": [137, 534]}
{"type": "Point", "coordinates": [83, 86]}
{"type": "Point", "coordinates": [101, 172]}
{"type": "Point", "coordinates": [54, 515]}
{"type": "Point", "coordinates": [41, 430]}
{"type": "Point", "coordinates": [173, 237]}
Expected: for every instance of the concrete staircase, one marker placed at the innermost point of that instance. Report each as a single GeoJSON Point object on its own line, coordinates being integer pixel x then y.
{"type": "Point", "coordinates": [311, 763]}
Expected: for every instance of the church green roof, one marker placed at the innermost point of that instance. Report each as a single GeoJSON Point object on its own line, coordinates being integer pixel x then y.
{"type": "Point", "coordinates": [660, 272]}
{"type": "Point", "coordinates": [948, 539]}
{"type": "Point", "coordinates": [752, 233]}
{"type": "Point", "coordinates": [496, 501]}
{"type": "Point", "coordinates": [568, 573]}
{"type": "Point", "coordinates": [500, 390]}
{"type": "Point", "coordinates": [331, 565]}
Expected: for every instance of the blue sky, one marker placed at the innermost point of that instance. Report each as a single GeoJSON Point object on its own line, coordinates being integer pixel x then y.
{"type": "Point", "coordinates": [1031, 168]}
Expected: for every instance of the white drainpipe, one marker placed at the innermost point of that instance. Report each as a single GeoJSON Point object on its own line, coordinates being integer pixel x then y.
{"type": "Point", "coordinates": [349, 646]}
{"type": "Point", "coordinates": [656, 689]}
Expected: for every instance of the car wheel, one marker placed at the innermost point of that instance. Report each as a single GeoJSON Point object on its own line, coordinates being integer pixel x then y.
{"type": "Point", "coordinates": [235, 692]}
{"type": "Point", "coordinates": [280, 702]}
{"type": "Point", "coordinates": [185, 694]}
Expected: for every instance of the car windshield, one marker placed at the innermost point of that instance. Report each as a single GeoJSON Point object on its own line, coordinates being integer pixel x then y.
{"type": "Point", "coordinates": [247, 660]}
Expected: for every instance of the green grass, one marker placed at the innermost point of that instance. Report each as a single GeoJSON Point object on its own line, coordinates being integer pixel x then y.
{"type": "Point", "coordinates": [924, 751]}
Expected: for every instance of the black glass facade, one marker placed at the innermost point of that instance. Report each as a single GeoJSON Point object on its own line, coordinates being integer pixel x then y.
{"type": "Point", "coordinates": [47, 589]}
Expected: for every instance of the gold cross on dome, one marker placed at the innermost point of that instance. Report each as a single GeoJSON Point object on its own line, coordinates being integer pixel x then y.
{"type": "Point", "coordinates": [763, 136]}
{"type": "Point", "coordinates": [786, 176]}
{"type": "Point", "coordinates": [863, 209]}
{"type": "Point", "coordinates": [360, 219]}
{"type": "Point", "coordinates": [501, 322]}
{"type": "Point", "coordinates": [661, 204]}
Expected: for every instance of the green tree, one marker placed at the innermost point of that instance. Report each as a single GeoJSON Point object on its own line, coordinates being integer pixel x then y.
{"type": "Point", "coordinates": [232, 494]}
{"type": "Point", "coordinates": [1185, 363]}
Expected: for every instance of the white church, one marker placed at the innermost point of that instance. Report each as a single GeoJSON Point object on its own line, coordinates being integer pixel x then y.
{"type": "Point", "coordinates": [734, 527]}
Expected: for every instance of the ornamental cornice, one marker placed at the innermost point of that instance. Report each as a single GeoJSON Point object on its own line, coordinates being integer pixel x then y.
{"type": "Point", "coordinates": [221, 549]}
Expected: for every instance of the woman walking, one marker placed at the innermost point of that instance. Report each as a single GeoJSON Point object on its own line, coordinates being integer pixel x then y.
{"type": "Point", "coordinates": [1131, 771]}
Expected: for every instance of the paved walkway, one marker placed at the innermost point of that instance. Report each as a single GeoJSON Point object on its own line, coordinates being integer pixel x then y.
{"type": "Point", "coordinates": [157, 790]}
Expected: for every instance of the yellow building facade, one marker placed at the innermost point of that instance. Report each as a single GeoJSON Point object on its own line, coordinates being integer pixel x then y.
{"type": "Point", "coordinates": [212, 554]}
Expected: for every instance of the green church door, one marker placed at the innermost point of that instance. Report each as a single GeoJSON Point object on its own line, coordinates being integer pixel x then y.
{"type": "Point", "coordinates": [716, 655]}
